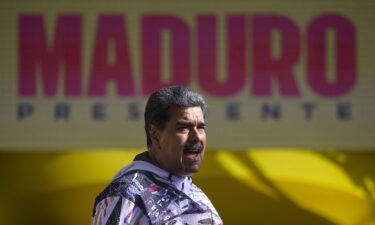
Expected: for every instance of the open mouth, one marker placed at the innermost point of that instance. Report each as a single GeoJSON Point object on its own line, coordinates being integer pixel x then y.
{"type": "Point", "coordinates": [192, 151]}
{"type": "Point", "coordinates": [193, 155]}
{"type": "Point", "coordinates": [196, 152]}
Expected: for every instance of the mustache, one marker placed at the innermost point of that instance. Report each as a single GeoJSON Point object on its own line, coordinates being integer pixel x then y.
{"type": "Point", "coordinates": [193, 146]}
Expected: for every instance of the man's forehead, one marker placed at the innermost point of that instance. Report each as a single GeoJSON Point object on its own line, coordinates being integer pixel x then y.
{"type": "Point", "coordinates": [188, 113]}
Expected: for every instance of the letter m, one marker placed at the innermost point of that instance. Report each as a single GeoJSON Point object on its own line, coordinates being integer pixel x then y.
{"type": "Point", "coordinates": [49, 60]}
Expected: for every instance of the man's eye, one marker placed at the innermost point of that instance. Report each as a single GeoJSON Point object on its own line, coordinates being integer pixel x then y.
{"type": "Point", "coordinates": [182, 128]}
{"type": "Point", "coordinates": [203, 127]}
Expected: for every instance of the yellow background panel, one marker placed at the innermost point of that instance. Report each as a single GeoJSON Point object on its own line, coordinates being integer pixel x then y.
{"type": "Point", "coordinates": [256, 186]}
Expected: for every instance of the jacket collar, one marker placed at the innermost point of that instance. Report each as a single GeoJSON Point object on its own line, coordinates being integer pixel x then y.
{"type": "Point", "coordinates": [143, 161]}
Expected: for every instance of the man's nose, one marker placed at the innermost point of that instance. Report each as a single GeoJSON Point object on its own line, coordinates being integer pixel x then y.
{"type": "Point", "coordinates": [194, 134]}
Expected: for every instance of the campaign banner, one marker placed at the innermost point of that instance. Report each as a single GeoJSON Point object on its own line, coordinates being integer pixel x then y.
{"type": "Point", "coordinates": [77, 74]}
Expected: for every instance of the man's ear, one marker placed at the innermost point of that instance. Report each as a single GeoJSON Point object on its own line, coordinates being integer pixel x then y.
{"type": "Point", "coordinates": [155, 135]}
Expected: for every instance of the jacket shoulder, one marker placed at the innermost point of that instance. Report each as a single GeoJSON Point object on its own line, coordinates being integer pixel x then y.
{"type": "Point", "coordinates": [129, 185]}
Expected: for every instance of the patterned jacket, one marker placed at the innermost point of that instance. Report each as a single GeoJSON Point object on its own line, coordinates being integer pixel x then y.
{"type": "Point", "coordinates": [142, 193]}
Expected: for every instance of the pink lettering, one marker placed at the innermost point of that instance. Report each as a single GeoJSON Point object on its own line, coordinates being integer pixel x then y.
{"type": "Point", "coordinates": [111, 28]}
{"type": "Point", "coordinates": [152, 28]}
{"type": "Point", "coordinates": [267, 69]}
{"type": "Point", "coordinates": [345, 66]}
{"type": "Point", "coordinates": [207, 55]}
{"type": "Point", "coordinates": [55, 65]}
{"type": "Point", "coordinates": [33, 55]}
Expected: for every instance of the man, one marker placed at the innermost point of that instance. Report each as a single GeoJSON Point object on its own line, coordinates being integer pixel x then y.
{"type": "Point", "coordinates": [156, 188]}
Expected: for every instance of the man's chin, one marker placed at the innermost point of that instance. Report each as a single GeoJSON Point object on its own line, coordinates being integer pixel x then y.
{"type": "Point", "coordinates": [191, 164]}
{"type": "Point", "coordinates": [191, 170]}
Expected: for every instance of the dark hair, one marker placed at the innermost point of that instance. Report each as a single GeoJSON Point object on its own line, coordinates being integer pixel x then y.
{"type": "Point", "coordinates": [159, 103]}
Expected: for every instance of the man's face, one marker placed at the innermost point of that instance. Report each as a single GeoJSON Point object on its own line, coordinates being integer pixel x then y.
{"type": "Point", "coordinates": [182, 142]}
